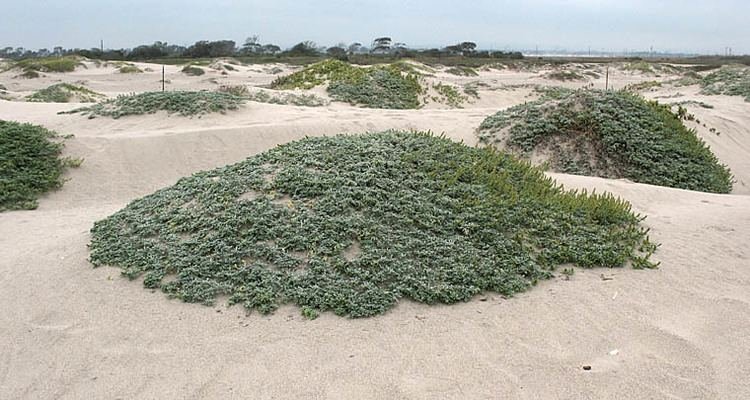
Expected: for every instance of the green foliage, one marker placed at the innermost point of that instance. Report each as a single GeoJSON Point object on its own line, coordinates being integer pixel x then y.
{"type": "Point", "coordinates": [728, 80]}
{"type": "Point", "coordinates": [449, 95]}
{"type": "Point", "coordinates": [639, 66]}
{"type": "Point", "coordinates": [381, 86]}
{"type": "Point", "coordinates": [129, 69]}
{"type": "Point", "coordinates": [184, 103]}
{"type": "Point", "coordinates": [49, 64]}
{"type": "Point", "coordinates": [643, 86]}
{"type": "Point", "coordinates": [611, 134]}
{"type": "Point", "coordinates": [193, 71]}
{"type": "Point", "coordinates": [352, 224]}
{"type": "Point", "coordinates": [565, 76]}
{"type": "Point", "coordinates": [306, 100]}
{"type": "Point", "coordinates": [29, 74]}
{"type": "Point", "coordinates": [462, 71]}
{"type": "Point", "coordinates": [64, 93]}
{"type": "Point", "coordinates": [30, 164]}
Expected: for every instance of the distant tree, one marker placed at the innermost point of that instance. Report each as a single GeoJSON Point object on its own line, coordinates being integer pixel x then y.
{"type": "Point", "coordinates": [399, 49]}
{"type": "Point", "coordinates": [354, 48]}
{"type": "Point", "coordinates": [204, 48]}
{"type": "Point", "coordinates": [467, 48]}
{"type": "Point", "coordinates": [270, 49]}
{"type": "Point", "coordinates": [337, 52]}
{"type": "Point", "coordinates": [252, 45]}
{"type": "Point", "coordinates": [381, 45]}
{"type": "Point", "coordinates": [306, 48]}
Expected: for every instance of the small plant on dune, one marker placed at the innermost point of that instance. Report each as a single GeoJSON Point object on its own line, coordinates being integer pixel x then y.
{"type": "Point", "coordinates": [564, 76]}
{"type": "Point", "coordinates": [449, 95]}
{"type": "Point", "coordinates": [353, 224]}
{"type": "Point", "coordinates": [29, 74]}
{"type": "Point", "coordinates": [192, 70]}
{"type": "Point", "coordinates": [610, 134]}
{"type": "Point", "coordinates": [262, 96]}
{"type": "Point", "coordinates": [462, 71]}
{"type": "Point", "coordinates": [129, 69]}
{"type": "Point", "coordinates": [643, 86]}
{"type": "Point", "coordinates": [639, 66]}
{"type": "Point", "coordinates": [382, 86]}
{"type": "Point", "coordinates": [30, 164]}
{"type": "Point", "coordinates": [64, 93]}
{"type": "Point", "coordinates": [183, 103]}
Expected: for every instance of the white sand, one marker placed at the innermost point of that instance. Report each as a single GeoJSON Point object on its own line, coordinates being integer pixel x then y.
{"type": "Point", "coordinates": [68, 331]}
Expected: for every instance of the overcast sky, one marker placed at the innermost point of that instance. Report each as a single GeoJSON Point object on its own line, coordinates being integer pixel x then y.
{"type": "Point", "coordinates": [703, 26]}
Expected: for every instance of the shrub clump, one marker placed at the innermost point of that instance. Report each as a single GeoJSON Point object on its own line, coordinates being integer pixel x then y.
{"type": "Point", "coordinates": [186, 103]}
{"type": "Point", "coordinates": [375, 87]}
{"type": "Point", "coordinates": [64, 93]}
{"type": "Point", "coordinates": [352, 224]}
{"type": "Point", "coordinates": [30, 164]}
{"type": "Point", "coordinates": [192, 70]}
{"type": "Point", "coordinates": [610, 134]}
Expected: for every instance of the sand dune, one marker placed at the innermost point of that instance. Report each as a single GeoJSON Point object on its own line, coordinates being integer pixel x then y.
{"type": "Point", "coordinates": [69, 331]}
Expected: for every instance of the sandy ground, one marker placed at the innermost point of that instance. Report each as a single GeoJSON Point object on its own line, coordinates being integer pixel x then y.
{"type": "Point", "coordinates": [68, 331]}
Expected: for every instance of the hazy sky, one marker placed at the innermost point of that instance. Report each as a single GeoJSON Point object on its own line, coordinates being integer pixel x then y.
{"type": "Point", "coordinates": [670, 25]}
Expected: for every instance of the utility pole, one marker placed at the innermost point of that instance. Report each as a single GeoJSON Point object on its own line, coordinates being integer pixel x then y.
{"type": "Point", "coordinates": [101, 45]}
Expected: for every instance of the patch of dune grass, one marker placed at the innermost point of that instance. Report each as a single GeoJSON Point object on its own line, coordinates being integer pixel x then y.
{"type": "Point", "coordinates": [183, 103]}
{"type": "Point", "coordinates": [352, 224]}
{"type": "Point", "coordinates": [49, 64]}
{"type": "Point", "coordinates": [64, 93]}
{"type": "Point", "coordinates": [565, 76]}
{"type": "Point", "coordinates": [614, 134]}
{"type": "Point", "coordinates": [262, 96]}
{"type": "Point", "coordinates": [30, 164]}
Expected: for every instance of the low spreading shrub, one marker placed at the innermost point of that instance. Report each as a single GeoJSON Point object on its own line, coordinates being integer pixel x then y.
{"type": "Point", "coordinates": [64, 93]}
{"type": "Point", "coordinates": [30, 164]}
{"type": "Point", "coordinates": [352, 224]}
{"type": "Point", "coordinates": [614, 134]}
{"type": "Point", "coordinates": [183, 103]}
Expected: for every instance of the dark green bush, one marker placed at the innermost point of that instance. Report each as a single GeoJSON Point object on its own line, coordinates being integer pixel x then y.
{"type": "Point", "coordinates": [193, 71]}
{"type": "Point", "coordinates": [352, 224]}
{"type": "Point", "coordinates": [30, 164]}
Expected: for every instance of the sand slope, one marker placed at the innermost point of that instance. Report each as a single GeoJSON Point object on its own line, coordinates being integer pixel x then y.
{"type": "Point", "coordinates": [69, 331]}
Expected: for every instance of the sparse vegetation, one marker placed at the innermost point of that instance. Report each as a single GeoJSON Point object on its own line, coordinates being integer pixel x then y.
{"type": "Point", "coordinates": [564, 76]}
{"type": "Point", "coordinates": [30, 164]}
{"type": "Point", "coordinates": [610, 134]}
{"type": "Point", "coordinates": [728, 80]}
{"type": "Point", "coordinates": [306, 100]}
{"type": "Point", "coordinates": [183, 103]}
{"type": "Point", "coordinates": [352, 224]}
{"type": "Point", "coordinates": [193, 70]}
{"type": "Point", "coordinates": [65, 93]}
{"type": "Point", "coordinates": [449, 95]}
{"type": "Point", "coordinates": [643, 86]}
{"type": "Point", "coordinates": [462, 71]}
{"type": "Point", "coordinates": [129, 69]}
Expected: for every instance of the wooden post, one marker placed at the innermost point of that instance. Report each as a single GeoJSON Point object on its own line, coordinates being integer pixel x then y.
{"type": "Point", "coordinates": [162, 78]}
{"type": "Point", "coordinates": [606, 81]}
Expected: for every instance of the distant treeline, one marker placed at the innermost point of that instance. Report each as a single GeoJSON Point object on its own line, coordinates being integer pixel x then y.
{"type": "Point", "coordinates": [383, 46]}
